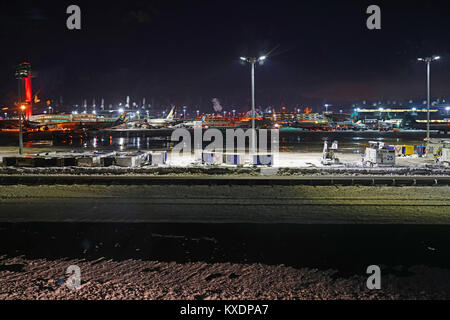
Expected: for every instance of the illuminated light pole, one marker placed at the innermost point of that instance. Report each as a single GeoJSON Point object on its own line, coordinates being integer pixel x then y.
{"type": "Point", "coordinates": [22, 108]}
{"type": "Point", "coordinates": [253, 61]}
{"type": "Point", "coordinates": [428, 61]}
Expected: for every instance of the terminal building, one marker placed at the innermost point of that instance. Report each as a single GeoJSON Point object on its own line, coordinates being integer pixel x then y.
{"type": "Point", "coordinates": [405, 117]}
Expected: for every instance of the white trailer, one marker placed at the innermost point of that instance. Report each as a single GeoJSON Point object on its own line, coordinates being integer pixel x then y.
{"type": "Point", "coordinates": [378, 154]}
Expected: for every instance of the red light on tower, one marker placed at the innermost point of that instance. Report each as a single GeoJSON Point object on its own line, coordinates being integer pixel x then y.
{"type": "Point", "coordinates": [28, 96]}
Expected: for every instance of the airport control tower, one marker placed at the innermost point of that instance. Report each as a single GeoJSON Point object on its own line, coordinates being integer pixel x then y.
{"type": "Point", "coordinates": [23, 75]}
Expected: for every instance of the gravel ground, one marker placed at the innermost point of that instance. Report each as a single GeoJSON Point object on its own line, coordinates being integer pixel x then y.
{"type": "Point", "coordinates": [426, 170]}
{"type": "Point", "coordinates": [21, 278]}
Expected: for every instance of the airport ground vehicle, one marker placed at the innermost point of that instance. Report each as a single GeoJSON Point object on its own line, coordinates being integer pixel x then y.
{"type": "Point", "coordinates": [377, 153]}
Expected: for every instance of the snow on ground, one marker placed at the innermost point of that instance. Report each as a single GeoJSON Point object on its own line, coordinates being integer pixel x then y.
{"type": "Point", "coordinates": [285, 163]}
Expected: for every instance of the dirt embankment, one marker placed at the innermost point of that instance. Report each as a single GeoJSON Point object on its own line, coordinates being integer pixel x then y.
{"type": "Point", "coordinates": [135, 279]}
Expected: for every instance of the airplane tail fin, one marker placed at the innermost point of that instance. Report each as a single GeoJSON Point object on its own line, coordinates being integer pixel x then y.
{"type": "Point", "coordinates": [122, 118]}
{"type": "Point", "coordinates": [171, 113]}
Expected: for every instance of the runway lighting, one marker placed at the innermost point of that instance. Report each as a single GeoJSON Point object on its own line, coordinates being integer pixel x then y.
{"type": "Point", "coordinates": [428, 61]}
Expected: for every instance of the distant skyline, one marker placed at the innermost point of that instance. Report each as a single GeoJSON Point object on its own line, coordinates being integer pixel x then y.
{"type": "Point", "coordinates": [187, 52]}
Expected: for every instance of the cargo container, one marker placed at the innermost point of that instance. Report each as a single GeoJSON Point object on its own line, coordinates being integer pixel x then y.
{"type": "Point", "coordinates": [262, 159]}
{"type": "Point", "coordinates": [233, 159]}
{"type": "Point", "coordinates": [212, 158]}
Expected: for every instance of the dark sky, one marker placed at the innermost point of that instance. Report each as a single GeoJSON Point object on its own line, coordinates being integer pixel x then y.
{"type": "Point", "coordinates": [186, 52]}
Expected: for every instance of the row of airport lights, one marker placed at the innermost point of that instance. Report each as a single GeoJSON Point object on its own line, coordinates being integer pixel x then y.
{"type": "Point", "coordinates": [252, 61]}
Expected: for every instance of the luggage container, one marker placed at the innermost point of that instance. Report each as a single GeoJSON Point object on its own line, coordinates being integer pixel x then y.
{"type": "Point", "coordinates": [26, 162]}
{"type": "Point", "coordinates": [107, 161]}
{"type": "Point", "coordinates": [404, 150]}
{"type": "Point", "coordinates": [421, 150]}
{"type": "Point", "coordinates": [89, 161]}
{"type": "Point", "coordinates": [129, 159]}
{"type": "Point", "coordinates": [66, 162]}
{"type": "Point", "coordinates": [9, 161]}
{"type": "Point", "coordinates": [407, 150]}
{"type": "Point", "coordinates": [212, 158]}
{"type": "Point", "coordinates": [45, 162]}
{"type": "Point", "coordinates": [95, 159]}
{"type": "Point", "coordinates": [262, 159]}
{"type": "Point", "coordinates": [156, 158]}
{"type": "Point", "coordinates": [233, 159]}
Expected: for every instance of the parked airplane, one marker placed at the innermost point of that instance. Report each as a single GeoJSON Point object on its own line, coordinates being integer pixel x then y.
{"type": "Point", "coordinates": [14, 124]}
{"type": "Point", "coordinates": [192, 124]}
{"type": "Point", "coordinates": [90, 125]}
{"type": "Point", "coordinates": [162, 122]}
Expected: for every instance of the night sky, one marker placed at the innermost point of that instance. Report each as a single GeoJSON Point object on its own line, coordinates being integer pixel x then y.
{"type": "Point", "coordinates": [187, 52]}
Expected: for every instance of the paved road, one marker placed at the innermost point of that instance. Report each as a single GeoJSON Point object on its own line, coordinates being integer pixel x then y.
{"type": "Point", "coordinates": [229, 203]}
{"type": "Point", "coordinates": [365, 180]}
